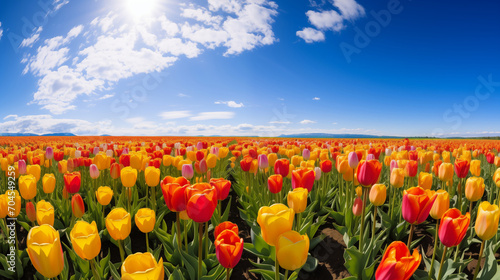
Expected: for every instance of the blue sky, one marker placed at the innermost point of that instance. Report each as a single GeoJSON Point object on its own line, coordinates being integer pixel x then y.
{"type": "Point", "coordinates": [256, 67]}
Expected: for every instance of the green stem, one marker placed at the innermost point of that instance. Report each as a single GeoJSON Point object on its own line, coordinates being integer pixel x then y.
{"type": "Point", "coordinates": [362, 221]}
{"type": "Point", "coordinates": [442, 262]}
{"type": "Point", "coordinates": [276, 266]}
{"type": "Point", "coordinates": [185, 236]}
{"type": "Point", "coordinates": [286, 274]}
{"type": "Point", "coordinates": [435, 246]}
{"type": "Point", "coordinates": [228, 273]}
{"type": "Point", "coordinates": [479, 260]}
{"type": "Point", "coordinates": [147, 242]}
{"type": "Point", "coordinates": [374, 222]}
{"type": "Point", "coordinates": [459, 189]}
{"type": "Point", "coordinates": [178, 229]}
{"type": "Point", "coordinates": [153, 194]}
{"type": "Point", "coordinates": [94, 270]}
{"type": "Point", "coordinates": [200, 248]}
{"type": "Point", "coordinates": [147, 190]}
{"type": "Point", "coordinates": [122, 253]}
{"type": "Point", "coordinates": [412, 228]}
{"type": "Point", "coordinates": [206, 239]}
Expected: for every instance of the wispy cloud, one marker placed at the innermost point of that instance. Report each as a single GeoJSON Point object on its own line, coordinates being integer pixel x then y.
{"type": "Point", "coordinates": [106, 96]}
{"type": "Point", "coordinates": [307, 122]}
{"type": "Point", "coordinates": [316, 98]}
{"type": "Point", "coordinates": [203, 116]}
{"type": "Point", "coordinates": [182, 95]}
{"type": "Point", "coordinates": [231, 104]}
{"type": "Point", "coordinates": [175, 115]}
{"type": "Point", "coordinates": [1, 30]}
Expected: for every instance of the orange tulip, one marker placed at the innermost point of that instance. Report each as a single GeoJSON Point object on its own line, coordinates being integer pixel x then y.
{"type": "Point", "coordinates": [398, 263]}
{"type": "Point", "coordinates": [228, 248]}
{"type": "Point", "coordinates": [275, 183]}
{"type": "Point", "coordinates": [417, 204]}
{"type": "Point", "coordinates": [453, 227]}
{"type": "Point", "coordinates": [303, 178]}
{"type": "Point", "coordinates": [368, 172]}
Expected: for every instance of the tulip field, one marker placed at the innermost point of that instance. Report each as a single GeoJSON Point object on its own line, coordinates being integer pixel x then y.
{"type": "Point", "coordinates": [248, 208]}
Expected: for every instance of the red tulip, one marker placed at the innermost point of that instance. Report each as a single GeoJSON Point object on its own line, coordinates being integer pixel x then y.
{"type": "Point", "coordinates": [30, 211]}
{"type": "Point", "coordinates": [453, 227]}
{"type": "Point", "coordinates": [245, 163]}
{"type": "Point", "coordinates": [490, 157]}
{"type": "Point", "coordinates": [222, 186]}
{"type": "Point", "coordinates": [462, 168]}
{"type": "Point", "coordinates": [175, 196]}
{"type": "Point", "coordinates": [275, 183]}
{"type": "Point", "coordinates": [77, 206]}
{"type": "Point", "coordinates": [368, 172]}
{"type": "Point", "coordinates": [282, 167]}
{"type": "Point", "coordinates": [72, 182]}
{"type": "Point", "coordinates": [201, 202]}
{"type": "Point", "coordinates": [417, 204]}
{"type": "Point", "coordinates": [228, 248]}
{"type": "Point", "coordinates": [225, 226]}
{"type": "Point", "coordinates": [326, 166]}
{"type": "Point", "coordinates": [411, 168]}
{"type": "Point", "coordinates": [303, 178]}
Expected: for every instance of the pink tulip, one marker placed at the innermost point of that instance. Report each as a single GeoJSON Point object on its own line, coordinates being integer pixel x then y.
{"type": "Point", "coordinates": [187, 171]}
{"type": "Point", "coordinates": [94, 171]}
{"type": "Point", "coordinates": [263, 161]}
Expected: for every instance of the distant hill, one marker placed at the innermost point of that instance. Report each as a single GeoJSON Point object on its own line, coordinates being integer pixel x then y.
{"type": "Point", "coordinates": [328, 135]}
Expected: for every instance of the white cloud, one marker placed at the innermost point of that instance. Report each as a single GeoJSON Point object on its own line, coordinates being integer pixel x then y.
{"type": "Point", "coordinates": [203, 116]}
{"type": "Point", "coordinates": [316, 98]}
{"type": "Point", "coordinates": [112, 49]}
{"type": "Point", "coordinates": [311, 35]}
{"type": "Point", "coordinates": [1, 30]}
{"type": "Point", "coordinates": [106, 96]}
{"type": "Point", "coordinates": [231, 104]}
{"type": "Point", "coordinates": [333, 19]}
{"type": "Point", "coordinates": [183, 95]}
{"type": "Point", "coordinates": [307, 122]}
{"type": "Point", "coordinates": [28, 42]}
{"type": "Point", "coordinates": [10, 116]}
{"type": "Point", "coordinates": [175, 115]}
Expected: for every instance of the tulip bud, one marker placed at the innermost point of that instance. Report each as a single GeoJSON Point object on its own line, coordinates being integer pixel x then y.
{"type": "Point", "coordinates": [94, 171]}
{"type": "Point", "coordinates": [292, 250]}
{"type": "Point", "coordinates": [317, 173]}
{"type": "Point", "coordinates": [263, 161]}
{"type": "Point", "coordinates": [96, 150]}
{"type": "Point", "coordinates": [104, 195]}
{"type": "Point", "coordinates": [378, 194]}
{"type": "Point", "coordinates": [357, 207]}
{"type": "Point", "coordinates": [425, 180]}
{"type": "Point", "coordinates": [388, 152]}
{"type": "Point", "coordinates": [306, 154]}
{"type": "Point", "coordinates": [394, 164]}
{"type": "Point", "coordinates": [474, 188]}
{"type": "Point", "coordinates": [353, 160]}
{"type": "Point", "coordinates": [21, 165]}
{"type": "Point", "coordinates": [297, 200]}
{"type": "Point", "coordinates": [30, 211]}
{"type": "Point", "coordinates": [275, 183]}
{"type": "Point", "coordinates": [487, 220]}
{"type": "Point", "coordinates": [441, 205]}
{"type": "Point", "coordinates": [77, 206]}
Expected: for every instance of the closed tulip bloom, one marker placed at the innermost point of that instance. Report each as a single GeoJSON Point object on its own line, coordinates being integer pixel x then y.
{"type": "Point", "coordinates": [254, 165]}
{"type": "Point", "coordinates": [222, 186]}
{"type": "Point", "coordinates": [425, 180]}
{"type": "Point", "coordinates": [297, 199]}
{"type": "Point", "coordinates": [17, 203]}
{"type": "Point", "coordinates": [104, 195]}
{"type": "Point", "coordinates": [211, 160]}
{"type": "Point", "coordinates": [62, 166]}
{"type": "Point", "coordinates": [397, 262]}
{"type": "Point", "coordinates": [246, 162]}
{"type": "Point", "coordinates": [72, 182]}
{"type": "Point", "coordinates": [282, 167]}
{"type": "Point", "coordinates": [27, 186]}
{"type": "Point", "coordinates": [317, 173]}
{"type": "Point", "coordinates": [397, 177]}
{"type": "Point", "coordinates": [292, 250]}
{"type": "Point", "coordinates": [394, 164]}
{"type": "Point", "coordinates": [275, 183]}
{"type": "Point", "coordinates": [34, 170]}
{"type": "Point", "coordinates": [303, 178]}
{"type": "Point", "coordinates": [44, 213]}
{"type": "Point", "coordinates": [496, 162]}
{"type": "Point", "coordinates": [359, 191]}
{"type": "Point", "coordinates": [441, 205]}
{"type": "Point", "coordinates": [93, 171]}
{"type": "Point", "coordinates": [461, 168]}
{"type": "Point", "coordinates": [272, 158]}
{"type": "Point", "coordinates": [274, 221]}
{"type": "Point", "coordinates": [227, 225]}
{"type": "Point", "coordinates": [453, 227]}
{"type": "Point", "coordinates": [326, 166]}
{"type": "Point", "coordinates": [187, 171]}
{"type": "Point", "coordinates": [128, 176]}
{"type": "Point", "coordinates": [228, 248]}
{"type": "Point", "coordinates": [145, 220]}
{"type": "Point", "coordinates": [411, 168]}
{"type": "Point", "coordinates": [487, 220]}
{"type": "Point", "coordinates": [306, 154]}
{"type": "Point", "coordinates": [115, 171]}
{"type": "Point", "coordinates": [21, 165]}
{"type": "Point", "coordinates": [201, 166]}
{"type": "Point", "coordinates": [263, 161]}
{"type": "Point", "coordinates": [49, 153]}
{"type": "Point", "coordinates": [152, 175]}
{"type": "Point", "coordinates": [475, 167]}
{"type": "Point", "coordinates": [342, 164]}
{"type": "Point", "coordinates": [142, 266]}
{"type": "Point", "coordinates": [201, 202]}
{"type": "Point", "coordinates": [118, 224]}
{"type": "Point", "coordinates": [368, 172]}
{"type": "Point", "coordinates": [496, 177]}
{"type": "Point", "coordinates": [474, 188]}
{"type": "Point", "coordinates": [174, 196]}
{"type": "Point", "coordinates": [353, 160]}
{"type": "Point", "coordinates": [417, 204]}
{"type": "Point", "coordinates": [3, 205]}
{"type": "Point", "coordinates": [45, 250]}
{"type": "Point", "coordinates": [378, 194]}
{"type": "Point", "coordinates": [85, 240]}
{"type": "Point", "coordinates": [30, 211]}
{"type": "Point", "coordinates": [77, 206]}
{"type": "Point", "coordinates": [490, 157]}
{"type": "Point", "coordinates": [445, 172]}
{"type": "Point", "coordinates": [357, 207]}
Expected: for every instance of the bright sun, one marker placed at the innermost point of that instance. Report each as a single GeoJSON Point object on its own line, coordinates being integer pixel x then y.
{"type": "Point", "coordinates": [141, 8]}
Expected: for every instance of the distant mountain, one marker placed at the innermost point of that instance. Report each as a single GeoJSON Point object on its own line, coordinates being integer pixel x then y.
{"type": "Point", "coordinates": [33, 134]}
{"type": "Point", "coordinates": [328, 135]}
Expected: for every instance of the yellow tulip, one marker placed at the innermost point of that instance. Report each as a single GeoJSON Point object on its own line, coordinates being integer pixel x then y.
{"type": "Point", "coordinates": [3, 205]}
{"type": "Point", "coordinates": [425, 180]}
{"type": "Point", "coordinates": [45, 251]}
{"type": "Point", "coordinates": [292, 250]}
{"type": "Point", "coordinates": [128, 176]}
{"type": "Point", "coordinates": [378, 194]}
{"type": "Point", "coordinates": [211, 160]}
{"type": "Point", "coordinates": [297, 200]}
{"type": "Point", "coordinates": [145, 219]}
{"type": "Point", "coordinates": [474, 188]}
{"type": "Point", "coordinates": [475, 167]}
{"type": "Point", "coordinates": [34, 170]}
{"type": "Point", "coordinates": [48, 182]}
{"type": "Point", "coordinates": [85, 240]}
{"type": "Point", "coordinates": [271, 158]}
{"type": "Point", "coordinates": [27, 186]}
{"type": "Point", "coordinates": [441, 204]}
{"type": "Point", "coordinates": [445, 171]}
{"type": "Point", "coordinates": [142, 266]}
{"type": "Point", "coordinates": [487, 220]}
{"type": "Point", "coordinates": [167, 160]}
{"type": "Point", "coordinates": [397, 177]}
{"type": "Point", "coordinates": [223, 152]}
{"type": "Point", "coordinates": [44, 213]}
{"type": "Point", "coordinates": [136, 161]}
{"type": "Point", "coordinates": [152, 175]}
{"type": "Point", "coordinates": [496, 177]}
{"type": "Point", "coordinates": [118, 224]}
{"type": "Point", "coordinates": [274, 221]}
{"type": "Point", "coordinates": [104, 195]}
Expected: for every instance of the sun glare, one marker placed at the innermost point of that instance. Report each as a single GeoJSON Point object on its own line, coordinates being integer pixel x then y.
{"type": "Point", "coordinates": [141, 8]}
